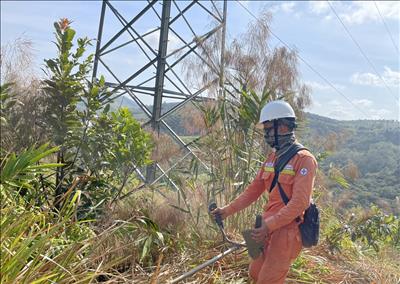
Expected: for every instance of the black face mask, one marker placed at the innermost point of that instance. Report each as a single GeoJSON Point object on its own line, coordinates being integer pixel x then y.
{"type": "Point", "coordinates": [282, 140]}
{"type": "Point", "coordinates": [276, 140]}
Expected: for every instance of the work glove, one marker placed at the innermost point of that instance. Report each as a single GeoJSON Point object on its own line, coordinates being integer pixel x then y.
{"type": "Point", "coordinates": [260, 234]}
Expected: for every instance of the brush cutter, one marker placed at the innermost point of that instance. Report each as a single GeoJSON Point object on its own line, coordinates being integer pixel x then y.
{"type": "Point", "coordinates": [254, 248]}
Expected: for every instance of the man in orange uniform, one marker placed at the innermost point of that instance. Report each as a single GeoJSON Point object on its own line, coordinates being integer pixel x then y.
{"type": "Point", "coordinates": [279, 228]}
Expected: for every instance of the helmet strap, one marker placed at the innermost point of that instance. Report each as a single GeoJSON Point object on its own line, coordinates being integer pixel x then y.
{"type": "Point", "coordinates": [276, 134]}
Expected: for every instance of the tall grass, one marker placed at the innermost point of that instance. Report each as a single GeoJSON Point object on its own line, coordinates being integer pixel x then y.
{"type": "Point", "coordinates": [40, 244]}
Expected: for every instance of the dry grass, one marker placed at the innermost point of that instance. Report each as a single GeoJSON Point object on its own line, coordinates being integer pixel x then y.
{"type": "Point", "coordinates": [382, 268]}
{"type": "Point", "coordinates": [191, 246]}
{"type": "Point", "coordinates": [25, 117]}
{"type": "Point", "coordinates": [16, 60]}
{"type": "Point", "coordinates": [231, 269]}
{"type": "Point", "coordinates": [319, 267]}
{"type": "Point", "coordinates": [165, 148]}
{"type": "Point", "coordinates": [168, 218]}
{"type": "Point", "coordinates": [325, 267]}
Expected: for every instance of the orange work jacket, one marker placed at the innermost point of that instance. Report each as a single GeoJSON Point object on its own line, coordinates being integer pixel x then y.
{"type": "Point", "coordinates": [297, 181]}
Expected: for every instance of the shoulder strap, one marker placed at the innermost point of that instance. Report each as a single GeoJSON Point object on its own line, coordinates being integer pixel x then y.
{"type": "Point", "coordinates": [283, 160]}
{"type": "Point", "coordinates": [285, 199]}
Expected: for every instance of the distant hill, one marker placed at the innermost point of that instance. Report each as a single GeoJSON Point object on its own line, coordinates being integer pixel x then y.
{"type": "Point", "coordinates": [175, 120]}
{"type": "Point", "coordinates": [374, 148]}
{"type": "Point", "coordinates": [126, 101]}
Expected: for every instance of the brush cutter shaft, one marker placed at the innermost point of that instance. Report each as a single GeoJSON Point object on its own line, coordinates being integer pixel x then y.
{"type": "Point", "coordinates": [205, 264]}
{"type": "Point", "coordinates": [220, 224]}
{"type": "Point", "coordinates": [235, 247]}
{"type": "Point", "coordinates": [229, 241]}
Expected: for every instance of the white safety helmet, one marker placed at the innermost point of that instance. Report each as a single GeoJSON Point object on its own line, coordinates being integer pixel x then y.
{"type": "Point", "coordinates": [275, 110]}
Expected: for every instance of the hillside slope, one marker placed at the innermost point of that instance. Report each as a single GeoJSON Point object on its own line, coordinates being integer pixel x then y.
{"type": "Point", "coordinates": [367, 152]}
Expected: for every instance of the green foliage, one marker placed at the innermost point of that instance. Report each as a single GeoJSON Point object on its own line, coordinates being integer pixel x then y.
{"type": "Point", "coordinates": [131, 143]}
{"type": "Point", "coordinates": [91, 160]}
{"type": "Point", "coordinates": [36, 248]}
{"type": "Point", "coordinates": [372, 229]}
{"type": "Point", "coordinates": [376, 229]}
{"type": "Point", "coordinates": [308, 269]}
{"type": "Point", "coordinates": [233, 149]}
{"type": "Point", "coordinates": [146, 235]}
{"type": "Point", "coordinates": [66, 83]}
{"type": "Point", "coordinates": [113, 147]}
{"type": "Point", "coordinates": [37, 245]}
{"type": "Point", "coordinates": [249, 110]}
{"type": "Point", "coordinates": [23, 176]}
{"type": "Point", "coordinates": [103, 147]}
{"type": "Point", "coordinates": [211, 114]}
{"type": "Point", "coordinates": [372, 146]}
{"type": "Point", "coordinates": [337, 176]}
{"type": "Point", "coordinates": [7, 101]}
{"type": "Point", "coordinates": [65, 88]}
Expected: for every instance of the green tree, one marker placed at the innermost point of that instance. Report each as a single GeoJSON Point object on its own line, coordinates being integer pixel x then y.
{"type": "Point", "coordinates": [64, 88]}
{"type": "Point", "coordinates": [102, 146]}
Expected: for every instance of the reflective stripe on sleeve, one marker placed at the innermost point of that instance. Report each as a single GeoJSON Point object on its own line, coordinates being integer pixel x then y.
{"type": "Point", "coordinates": [269, 169]}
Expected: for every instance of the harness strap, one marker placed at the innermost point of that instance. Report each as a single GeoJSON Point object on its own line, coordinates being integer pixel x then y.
{"type": "Point", "coordinates": [280, 165]}
{"type": "Point", "coordinates": [283, 160]}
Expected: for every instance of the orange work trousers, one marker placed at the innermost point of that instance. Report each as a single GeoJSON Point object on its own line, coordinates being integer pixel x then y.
{"type": "Point", "coordinates": [280, 250]}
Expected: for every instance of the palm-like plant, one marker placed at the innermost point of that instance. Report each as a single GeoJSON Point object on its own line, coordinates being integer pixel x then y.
{"type": "Point", "coordinates": [41, 245]}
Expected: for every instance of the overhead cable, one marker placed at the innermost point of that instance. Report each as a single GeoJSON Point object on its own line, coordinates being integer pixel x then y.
{"type": "Point", "coordinates": [387, 29]}
{"type": "Point", "coordinates": [305, 62]}
{"type": "Point", "coordinates": [362, 51]}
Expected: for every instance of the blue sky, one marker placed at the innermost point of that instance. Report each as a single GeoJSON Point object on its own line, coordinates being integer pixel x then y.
{"type": "Point", "coordinates": [310, 27]}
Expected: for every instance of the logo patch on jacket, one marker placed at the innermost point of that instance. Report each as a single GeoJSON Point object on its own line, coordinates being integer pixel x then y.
{"type": "Point", "coordinates": [303, 171]}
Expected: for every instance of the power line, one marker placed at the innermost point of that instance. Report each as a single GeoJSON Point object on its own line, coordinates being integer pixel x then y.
{"type": "Point", "coordinates": [362, 51]}
{"type": "Point", "coordinates": [305, 62]}
{"type": "Point", "coordinates": [386, 27]}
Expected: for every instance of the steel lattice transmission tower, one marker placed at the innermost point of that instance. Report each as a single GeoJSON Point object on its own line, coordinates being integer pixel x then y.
{"type": "Point", "coordinates": [140, 46]}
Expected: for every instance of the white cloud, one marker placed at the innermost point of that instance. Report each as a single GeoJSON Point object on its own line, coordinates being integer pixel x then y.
{"type": "Point", "coordinates": [364, 103]}
{"type": "Point", "coordinates": [357, 12]}
{"type": "Point", "coordinates": [318, 7]}
{"type": "Point", "coordinates": [315, 86]}
{"type": "Point", "coordinates": [363, 11]}
{"type": "Point", "coordinates": [316, 104]}
{"type": "Point", "coordinates": [286, 7]}
{"type": "Point", "coordinates": [368, 79]}
{"type": "Point", "coordinates": [173, 41]}
{"type": "Point", "coordinates": [390, 77]}
{"type": "Point", "coordinates": [335, 103]}
{"type": "Point", "coordinates": [337, 110]}
{"type": "Point", "coordinates": [359, 109]}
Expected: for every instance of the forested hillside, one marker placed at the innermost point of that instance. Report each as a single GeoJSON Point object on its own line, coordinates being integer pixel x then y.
{"type": "Point", "coordinates": [368, 152]}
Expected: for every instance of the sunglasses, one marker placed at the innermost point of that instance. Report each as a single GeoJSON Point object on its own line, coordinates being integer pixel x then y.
{"type": "Point", "coordinates": [267, 130]}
